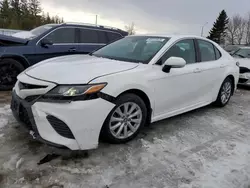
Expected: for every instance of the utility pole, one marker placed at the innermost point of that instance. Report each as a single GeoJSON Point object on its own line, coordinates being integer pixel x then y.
{"type": "Point", "coordinates": [202, 28]}
{"type": "Point", "coordinates": [96, 16]}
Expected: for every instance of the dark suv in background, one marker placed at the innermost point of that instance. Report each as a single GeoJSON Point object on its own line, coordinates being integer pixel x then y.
{"type": "Point", "coordinates": [23, 49]}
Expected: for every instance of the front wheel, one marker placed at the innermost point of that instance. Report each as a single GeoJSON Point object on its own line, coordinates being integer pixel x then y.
{"type": "Point", "coordinates": [225, 93]}
{"type": "Point", "coordinates": [9, 70]}
{"type": "Point", "coordinates": [125, 120]}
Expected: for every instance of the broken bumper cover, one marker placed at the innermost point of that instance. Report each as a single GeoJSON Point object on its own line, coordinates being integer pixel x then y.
{"type": "Point", "coordinates": [244, 78]}
{"type": "Point", "coordinates": [75, 125]}
{"type": "Point", "coordinates": [22, 111]}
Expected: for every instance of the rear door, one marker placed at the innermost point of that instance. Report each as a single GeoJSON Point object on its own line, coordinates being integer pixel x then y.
{"type": "Point", "coordinates": [212, 69]}
{"type": "Point", "coordinates": [91, 39]}
{"type": "Point", "coordinates": [64, 43]}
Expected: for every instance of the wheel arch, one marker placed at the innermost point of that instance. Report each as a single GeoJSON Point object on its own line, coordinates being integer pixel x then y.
{"type": "Point", "coordinates": [24, 62]}
{"type": "Point", "coordinates": [144, 97]}
{"type": "Point", "coordinates": [230, 76]}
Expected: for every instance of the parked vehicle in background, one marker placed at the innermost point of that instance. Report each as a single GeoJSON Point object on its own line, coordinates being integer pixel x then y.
{"type": "Point", "coordinates": [242, 55]}
{"type": "Point", "coordinates": [27, 48]}
{"type": "Point", "coordinates": [232, 48]}
{"type": "Point", "coordinates": [113, 92]}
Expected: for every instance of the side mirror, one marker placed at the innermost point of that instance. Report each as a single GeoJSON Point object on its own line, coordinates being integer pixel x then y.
{"type": "Point", "coordinates": [173, 62]}
{"type": "Point", "coordinates": [45, 43]}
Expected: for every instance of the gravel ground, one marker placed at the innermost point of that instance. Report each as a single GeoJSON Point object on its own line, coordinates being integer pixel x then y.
{"type": "Point", "coordinates": [205, 148]}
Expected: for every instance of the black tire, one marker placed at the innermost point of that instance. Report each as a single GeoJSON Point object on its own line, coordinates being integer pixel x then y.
{"type": "Point", "coordinates": [106, 134]}
{"type": "Point", "coordinates": [219, 102]}
{"type": "Point", "coordinates": [9, 70]}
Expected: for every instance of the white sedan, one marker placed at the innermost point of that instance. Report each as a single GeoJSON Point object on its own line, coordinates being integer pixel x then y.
{"type": "Point", "coordinates": [73, 101]}
{"type": "Point", "coordinates": [242, 55]}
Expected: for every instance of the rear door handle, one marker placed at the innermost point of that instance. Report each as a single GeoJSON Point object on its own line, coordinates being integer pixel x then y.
{"type": "Point", "coordinates": [73, 49]}
{"type": "Point", "coordinates": [222, 65]}
{"type": "Point", "coordinates": [197, 70]}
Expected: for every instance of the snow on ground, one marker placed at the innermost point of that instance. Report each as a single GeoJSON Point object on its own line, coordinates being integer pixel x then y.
{"type": "Point", "coordinates": [205, 148]}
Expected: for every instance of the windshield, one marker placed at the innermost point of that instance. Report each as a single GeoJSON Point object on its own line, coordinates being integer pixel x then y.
{"type": "Point", "coordinates": [132, 49]}
{"type": "Point", "coordinates": [243, 53]}
{"type": "Point", "coordinates": [34, 32]}
{"type": "Point", "coordinates": [231, 48]}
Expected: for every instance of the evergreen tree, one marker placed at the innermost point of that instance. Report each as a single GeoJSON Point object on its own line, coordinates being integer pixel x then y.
{"type": "Point", "coordinates": [24, 14]}
{"type": "Point", "coordinates": [218, 32]}
{"type": "Point", "coordinates": [5, 13]}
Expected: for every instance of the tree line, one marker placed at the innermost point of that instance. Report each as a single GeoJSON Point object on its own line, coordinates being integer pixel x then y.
{"type": "Point", "coordinates": [233, 30]}
{"type": "Point", "coordinates": [24, 15]}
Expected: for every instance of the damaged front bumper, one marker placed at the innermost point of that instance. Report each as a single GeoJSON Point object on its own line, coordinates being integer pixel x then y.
{"type": "Point", "coordinates": [244, 78]}
{"type": "Point", "coordinates": [21, 110]}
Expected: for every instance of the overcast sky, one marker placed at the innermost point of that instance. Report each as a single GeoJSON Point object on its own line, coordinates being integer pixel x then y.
{"type": "Point", "coordinates": [160, 16]}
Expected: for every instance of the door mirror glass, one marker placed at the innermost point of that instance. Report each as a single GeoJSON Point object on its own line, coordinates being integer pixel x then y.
{"type": "Point", "coordinates": [45, 42]}
{"type": "Point", "coordinates": [173, 62]}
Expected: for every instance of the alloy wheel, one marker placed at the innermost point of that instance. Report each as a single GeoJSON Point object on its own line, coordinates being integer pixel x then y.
{"type": "Point", "coordinates": [226, 92]}
{"type": "Point", "coordinates": [125, 120]}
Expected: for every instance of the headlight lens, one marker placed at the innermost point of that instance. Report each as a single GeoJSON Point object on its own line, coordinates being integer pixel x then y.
{"type": "Point", "coordinates": [75, 90]}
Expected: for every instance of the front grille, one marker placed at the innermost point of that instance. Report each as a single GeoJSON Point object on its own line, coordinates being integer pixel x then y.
{"type": "Point", "coordinates": [60, 127]}
{"type": "Point", "coordinates": [242, 80]}
{"type": "Point", "coordinates": [244, 70]}
{"type": "Point", "coordinates": [24, 117]}
{"type": "Point", "coordinates": [32, 98]}
{"type": "Point", "coordinates": [23, 85]}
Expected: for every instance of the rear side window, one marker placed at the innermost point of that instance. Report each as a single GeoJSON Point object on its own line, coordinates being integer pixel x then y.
{"type": "Point", "coordinates": [217, 53]}
{"type": "Point", "coordinates": [206, 50]}
{"type": "Point", "coordinates": [63, 35]}
{"type": "Point", "coordinates": [113, 36]}
{"type": "Point", "coordinates": [102, 38]}
{"type": "Point", "coordinates": [88, 36]}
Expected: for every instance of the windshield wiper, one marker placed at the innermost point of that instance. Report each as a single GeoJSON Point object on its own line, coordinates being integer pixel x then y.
{"type": "Point", "coordinates": [240, 55]}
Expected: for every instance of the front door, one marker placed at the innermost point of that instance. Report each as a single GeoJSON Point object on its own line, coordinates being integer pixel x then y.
{"type": "Point", "coordinates": [180, 88]}
{"type": "Point", "coordinates": [64, 43]}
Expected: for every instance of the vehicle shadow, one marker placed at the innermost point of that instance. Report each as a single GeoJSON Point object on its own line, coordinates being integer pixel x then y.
{"type": "Point", "coordinates": [243, 87]}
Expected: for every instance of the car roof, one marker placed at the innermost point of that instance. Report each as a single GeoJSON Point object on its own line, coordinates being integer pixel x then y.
{"type": "Point", "coordinates": [176, 36]}
{"type": "Point", "coordinates": [94, 26]}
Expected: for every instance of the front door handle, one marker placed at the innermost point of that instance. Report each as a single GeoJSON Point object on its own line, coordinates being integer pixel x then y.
{"type": "Point", "coordinates": [197, 70]}
{"type": "Point", "coordinates": [73, 49]}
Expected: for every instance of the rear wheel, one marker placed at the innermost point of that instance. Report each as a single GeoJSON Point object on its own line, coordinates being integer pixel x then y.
{"type": "Point", "coordinates": [125, 120]}
{"type": "Point", "coordinates": [9, 70]}
{"type": "Point", "coordinates": [225, 93]}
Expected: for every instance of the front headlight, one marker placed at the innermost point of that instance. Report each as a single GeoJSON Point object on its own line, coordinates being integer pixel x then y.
{"type": "Point", "coordinates": [75, 90]}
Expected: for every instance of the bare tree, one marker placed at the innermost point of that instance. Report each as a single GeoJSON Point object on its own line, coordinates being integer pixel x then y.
{"type": "Point", "coordinates": [235, 29]}
{"type": "Point", "coordinates": [241, 30]}
{"type": "Point", "coordinates": [130, 28]}
{"type": "Point", "coordinates": [248, 29]}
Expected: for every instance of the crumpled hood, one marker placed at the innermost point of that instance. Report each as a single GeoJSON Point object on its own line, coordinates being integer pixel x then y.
{"type": "Point", "coordinates": [244, 62]}
{"type": "Point", "coordinates": [5, 39]}
{"type": "Point", "coordinates": [76, 69]}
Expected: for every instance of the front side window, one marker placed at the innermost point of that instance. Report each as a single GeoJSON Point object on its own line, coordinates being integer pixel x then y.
{"type": "Point", "coordinates": [206, 50]}
{"type": "Point", "coordinates": [62, 35]}
{"type": "Point", "coordinates": [184, 49]}
{"type": "Point", "coordinates": [242, 53]}
{"type": "Point", "coordinates": [133, 49]}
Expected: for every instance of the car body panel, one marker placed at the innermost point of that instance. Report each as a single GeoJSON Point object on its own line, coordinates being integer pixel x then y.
{"type": "Point", "coordinates": [84, 69]}
{"type": "Point", "coordinates": [244, 64]}
{"type": "Point", "coordinates": [6, 39]}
